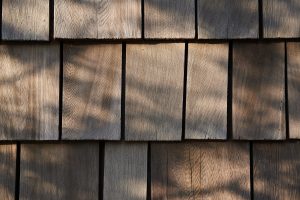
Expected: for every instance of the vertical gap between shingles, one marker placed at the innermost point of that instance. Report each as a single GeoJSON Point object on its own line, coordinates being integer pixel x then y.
{"type": "Point", "coordinates": [251, 172]}
{"type": "Point", "coordinates": [184, 89]}
{"type": "Point", "coordinates": [17, 180]}
{"type": "Point", "coordinates": [101, 169]}
{"type": "Point", "coordinates": [286, 92]}
{"type": "Point", "coordinates": [196, 19]}
{"type": "Point", "coordinates": [260, 14]}
{"type": "Point", "coordinates": [143, 18]}
{"type": "Point", "coordinates": [61, 75]}
{"type": "Point", "coordinates": [51, 19]}
{"type": "Point", "coordinates": [229, 93]}
{"type": "Point", "coordinates": [149, 171]}
{"type": "Point", "coordinates": [123, 91]}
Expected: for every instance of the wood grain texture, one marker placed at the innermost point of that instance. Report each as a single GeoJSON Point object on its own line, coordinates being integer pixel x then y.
{"type": "Point", "coordinates": [276, 170]}
{"type": "Point", "coordinates": [7, 171]}
{"type": "Point", "coordinates": [125, 171]}
{"type": "Point", "coordinates": [59, 171]}
{"type": "Point", "coordinates": [25, 19]}
{"type": "Point", "coordinates": [207, 81]}
{"type": "Point", "coordinates": [97, 19]}
{"type": "Point", "coordinates": [154, 91]}
{"type": "Point", "coordinates": [258, 91]}
{"type": "Point", "coordinates": [227, 19]}
{"type": "Point", "coordinates": [169, 19]}
{"type": "Point", "coordinates": [29, 92]}
{"type": "Point", "coordinates": [92, 92]}
{"type": "Point", "coordinates": [197, 170]}
{"type": "Point", "coordinates": [281, 18]}
{"type": "Point", "coordinates": [293, 67]}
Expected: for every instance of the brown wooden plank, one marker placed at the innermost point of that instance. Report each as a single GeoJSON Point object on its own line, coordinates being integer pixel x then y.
{"type": "Point", "coordinates": [92, 92]}
{"type": "Point", "coordinates": [169, 19]}
{"type": "Point", "coordinates": [258, 91]}
{"type": "Point", "coordinates": [25, 19]}
{"type": "Point", "coordinates": [293, 67]}
{"type": "Point", "coordinates": [125, 171]}
{"type": "Point", "coordinates": [227, 19]}
{"type": "Point", "coordinates": [197, 170]}
{"type": "Point", "coordinates": [154, 91]}
{"type": "Point", "coordinates": [206, 102]}
{"type": "Point", "coordinates": [59, 171]}
{"type": "Point", "coordinates": [97, 19]}
{"type": "Point", "coordinates": [281, 18]}
{"type": "Point", "coordinates": [29, 92]}
{"type": "Point", "coordinates": [276, 170]}
{"type": "Point", "coordinates": [7, 171]}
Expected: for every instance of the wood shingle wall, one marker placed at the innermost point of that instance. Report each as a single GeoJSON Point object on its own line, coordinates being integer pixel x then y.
{"type": "Point", "coordinates": [149, 99]}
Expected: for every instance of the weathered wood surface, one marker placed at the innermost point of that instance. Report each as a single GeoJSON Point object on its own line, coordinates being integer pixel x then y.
{"type": "Point", "coordinates": [59, 171]}
{"type": "Point", "coordinates": [197, 170]}
{"type": "Point", "coordinates": [125, 171]}
{"type": "Point", "coordinates": [293, 67]}
{"type": "Point", "coordinates": [154, 91]}
{"type": "Point", "coordinates": [207, 81]}
{"type": "Point", "coordinates": [7, 171]}
{"type": "Point", "coordinates": [92, 92]}
{"type": "Point", "coordinates": [258, 91]}
{"type": "Point", "coordinates": [169, 19]}
{"type": "Point", "coordinates": [227, 19]}
{"type": "Point", "coordinates": [281, 18]}
{"type": "Point", "coordinates": [276, 171]}
{"type": "Point", "coordinates": [25, 19]}
{"type": "Point", "coordinates": [97, 19]}
{"type": "Point", "coordinates": [29, 92]}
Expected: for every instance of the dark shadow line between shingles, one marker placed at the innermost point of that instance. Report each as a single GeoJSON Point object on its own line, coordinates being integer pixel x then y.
{"type": "Point", "coordinates": [101, 169]}
{"type": "Point", "coordinates": [51, 19]}
{"type": "Point", "coordinates": [196, 19]}
{"type": "Point", "coordinates": [251, 171]}
{"type": "Point", "coordinates": [143, 18]}
{"type": "Point", "coordinates": [123, 91]}
{"type": "Point", "coordinates": [286, 93]}
{"type": "Point", "coordinates": [17, 178]}
{"type": "Point", "coordinates": [149, 172]}
{"type": "Point", "coordinates": [184, 90]}
{"type": "Point", "coordinates": [61, 77]}
{"type": "Point", "coordinates": [229, 93]}
{"type": "Point", "coordinates": [260, 19]}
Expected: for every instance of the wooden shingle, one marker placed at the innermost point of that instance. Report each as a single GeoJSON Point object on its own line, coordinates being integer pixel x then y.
{"type": "Point", "coordinates": [169, 19]}
{"type": "Point", "coordinates": [7, 171]}
{"type": "Point", "coordinates": [198, 170]}
{"type": "Point", "coordinates": [206, 101]}
{"type": "Point", "coordinates": [227, 19]}
{"type": "Point", "coordinates": [29, 92]}
{"type": "Point", "coordinates": [92, 92]}
{"type": "Point", "coordinates": [25, 19]}
{"type": "Point", "coordinates": [97, 19]}
{"type": "Point", "coordinates": [293, 68]}
{"type": "Point", "coordinates": [59, 171]}
{"type": "Point", "coordinates": [154, 91]}
{"type": "Point", "coordinates": [125, 171]}
{"type": "Point", "coordinates": [276, 169]}
{"type": "Point", "coordinates": [258, 91]}
{"type": "Point", "coordinates": [281, 18]}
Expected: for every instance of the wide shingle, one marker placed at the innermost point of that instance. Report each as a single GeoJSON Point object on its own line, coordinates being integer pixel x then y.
{"type": "Point", "coordinates": [92, 92]}
{"type": "Point", "coordinates": [29, 92]}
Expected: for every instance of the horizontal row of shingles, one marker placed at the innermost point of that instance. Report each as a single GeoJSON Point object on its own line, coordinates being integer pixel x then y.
{"type": "Point", "coordinates": [190, 170]}
{"type": "Point", "coordinates": [104, 19]}
{"type": "Point", "coordinates": [92, 82]}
